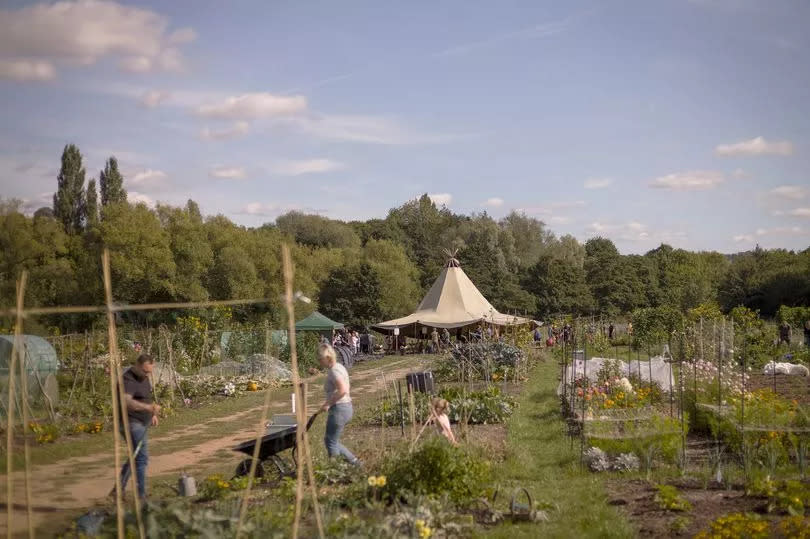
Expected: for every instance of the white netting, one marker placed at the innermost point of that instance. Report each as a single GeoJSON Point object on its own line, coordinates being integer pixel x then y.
{"type": "Point", "coordinates": [656, 370]}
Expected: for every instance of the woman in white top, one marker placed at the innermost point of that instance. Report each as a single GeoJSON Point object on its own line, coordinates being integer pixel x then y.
{"type": "Point", "coordinates": [338, 402]}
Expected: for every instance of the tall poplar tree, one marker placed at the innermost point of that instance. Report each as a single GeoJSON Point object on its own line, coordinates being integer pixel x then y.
{"type": "Point", "coordinates": [69, 201]}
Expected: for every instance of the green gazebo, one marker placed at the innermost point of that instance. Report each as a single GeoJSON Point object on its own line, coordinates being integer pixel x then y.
{"type": "Point", "coordinates": [317, 322]}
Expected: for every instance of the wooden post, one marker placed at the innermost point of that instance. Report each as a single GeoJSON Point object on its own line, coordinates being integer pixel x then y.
{"type": "Point", "coordinates": [412, 407]}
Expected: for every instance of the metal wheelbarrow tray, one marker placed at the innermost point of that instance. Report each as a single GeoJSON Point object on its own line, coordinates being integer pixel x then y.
{"type": "Point", "coordinates": [279, 439]}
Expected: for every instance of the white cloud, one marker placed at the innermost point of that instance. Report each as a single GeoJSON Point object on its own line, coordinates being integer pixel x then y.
{"type": "Point", "coordinates": [793, 192]}
{"type": "Point", "coordinates": [368, 129]}
{"type": "Point", "coordinates": [780, 230]}
{"type": "Point", "coordinates": [139, 198]}
{"type": "Point", "coordinates": [254, 105]}
{"type": "Point", "coordinates": [597, 183]}
{"type": "Point", "coordinates": [154, 98]}
{"type": "Point", "coordinates": [83, 32]}
{"type": "Point", "coordinates": [228, 173]}
{"type": "Point", "coordinates": [148, 177]}
{"type": "Point", "coordinates": [493, 202]}
{"type": "Point", "coordinates": [800, 212]}
{"type": "Point", "coordinates": [536, 31]}
{"type": "Point", "coordinates": [238, 129]}
{"type": "Point", "coordinates": [747, 238]}
{"type": "Point", "coordinates": [274, 210]}
{"type": "Point", "coordinates": [30, 205]}
{"type": "Point", "coordinates": [634, 231]}
{"type": "Point", "coordinates": [27, 70]}
{"type": "Point", "coordinates": [697, 180]}
{"type": "Point", "coordinates": [755, 146]}
{"type": "Point", "coordinates": [547, 209]}
{"type": "Point", "coordinates": [441, 199]}
{"type": "Point", "coordinates": [309, 166]}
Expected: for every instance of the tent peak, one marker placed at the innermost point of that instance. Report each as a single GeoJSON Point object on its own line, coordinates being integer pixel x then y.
{"type": "Point", "coordinates": [452, 261]}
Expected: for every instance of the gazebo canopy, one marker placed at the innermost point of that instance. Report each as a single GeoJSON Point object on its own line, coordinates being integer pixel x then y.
{"type": "Point", "coordinates": [317, 322]}
{"type": "Point", "coordinates": [452, 302]}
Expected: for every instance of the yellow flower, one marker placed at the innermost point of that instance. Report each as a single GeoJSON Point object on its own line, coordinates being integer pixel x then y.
{"type": "Point", "coordinates": [381, 481]}
{"type": "Point", "coordinates": [419, 523]}
{"type": "Point", "coordinates": [372, 481]}
{"type": "Point", "coordinates": [425, 532]}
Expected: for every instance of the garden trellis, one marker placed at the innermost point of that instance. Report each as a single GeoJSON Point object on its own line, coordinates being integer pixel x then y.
{"type": "Point", "coordinates": [700, 374]}
{"type": "Point", "coordinates": [20, 313]}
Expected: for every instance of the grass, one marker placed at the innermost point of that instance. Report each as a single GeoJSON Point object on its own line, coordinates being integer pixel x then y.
{"type": "Point", "coordinates": [540, 459]}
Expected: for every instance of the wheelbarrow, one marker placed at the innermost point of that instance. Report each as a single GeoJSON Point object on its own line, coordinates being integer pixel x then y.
{"type": "Point", "coordinates": [279, 438]}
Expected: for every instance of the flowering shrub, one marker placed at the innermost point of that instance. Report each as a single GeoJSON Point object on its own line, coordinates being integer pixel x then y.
{"type": "Point", "coordinates": [669, 499]}
{"type": "Point", "coordinates": [45, 433]}
{"type": "Point", "coordinates": [216, 486]}
{"type": "Point", "coordinates": [748, 525]}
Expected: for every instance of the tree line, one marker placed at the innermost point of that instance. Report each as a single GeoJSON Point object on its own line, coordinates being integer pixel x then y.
{"type": "Point", "coordinates": [358, 272]}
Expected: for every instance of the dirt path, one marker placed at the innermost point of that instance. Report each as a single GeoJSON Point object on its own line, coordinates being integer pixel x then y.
{"type": "Point", "coordinates": [74, 484]}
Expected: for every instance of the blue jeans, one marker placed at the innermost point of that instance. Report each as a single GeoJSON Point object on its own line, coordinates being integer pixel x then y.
{"type": "Point", "coordinates": [137, 432]}
{"type": "Point", "coordinates": [339, 415]}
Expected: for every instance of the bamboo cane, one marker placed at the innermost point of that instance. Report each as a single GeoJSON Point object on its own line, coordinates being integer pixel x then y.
{"type": "Point", "coordinates": [311, 468]}
{"type": "Point", "coordinates": [10, 418]}
{"type": "Point", "coordinates": [116, 379]}
{"type": "Point", "coordinates": [22, 355]}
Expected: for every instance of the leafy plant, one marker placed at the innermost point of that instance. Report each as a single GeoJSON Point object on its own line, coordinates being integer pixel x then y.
{"type": "Point", "coordinates": [435, 468]}
{"type": "Point", "coordinates": [669, 499]}
{"type": "Point", "coordinates": [743, 525]}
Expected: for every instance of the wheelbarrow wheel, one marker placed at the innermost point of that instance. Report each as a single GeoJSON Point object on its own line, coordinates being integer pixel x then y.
{"type": "Point", "coordinates": [243, 469]}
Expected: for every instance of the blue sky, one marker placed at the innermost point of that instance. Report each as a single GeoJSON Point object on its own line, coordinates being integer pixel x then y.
{"type": "Point", "coordinates": [685, 122]}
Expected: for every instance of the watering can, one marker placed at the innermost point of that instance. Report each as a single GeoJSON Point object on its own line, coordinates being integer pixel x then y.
{"type": "Point", "coordinates": [186, 485]}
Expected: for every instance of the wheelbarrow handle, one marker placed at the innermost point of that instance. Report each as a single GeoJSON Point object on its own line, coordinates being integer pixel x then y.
{"type": "Point", "coordinates": [312, 419]}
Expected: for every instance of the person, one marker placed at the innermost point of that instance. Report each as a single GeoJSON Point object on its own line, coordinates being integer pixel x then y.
{"type": "Point", "coordinates": [807, 333]}
{"type": "Point", "coordinates": [537, 336]}
{"type": "Point", "coordinates": [355, 342]}
{"type": "Point", "coordinates": [142, 413]}
{"type": "Point", "coordinates": [784, 333]}
{"type": "Point", "coordinates": [445, 337]}
{"type": "Point", "coordinates": [434, 339]}
{"type": "Point", "coordinates": [338, 403]}
{"type": "Point", "coordinates": [442, 421]}
{"type": "Point", "coordinates": [630, 328]}
{"type": "Point", "coordinates": [567, 333]}
{"type": "Point", "coordinates": [610, 331]}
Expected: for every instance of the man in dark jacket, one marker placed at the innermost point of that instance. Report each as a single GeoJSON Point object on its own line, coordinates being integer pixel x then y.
{"type": "Point", "coordinates": [142, 413]}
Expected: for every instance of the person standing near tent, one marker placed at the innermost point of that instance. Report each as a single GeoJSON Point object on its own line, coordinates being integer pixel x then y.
{"type": "Point", "coordinates": [142, 413]}
{"type": "Point", "coordinates": [446, 337]}
{"type": "Point", "coordinates": [338, 403]}
{"type": "Point", "coordinates": [434, 339]}
{"type": "Point", "coordinates": [784, 333]}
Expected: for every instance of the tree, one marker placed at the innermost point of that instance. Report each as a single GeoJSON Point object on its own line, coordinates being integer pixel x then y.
{"type": "Point", "coordinates": [399, 278]}
{"type": "Point", "coordinates": [141, 262]}
{"type": "Point", "coordinates": [352, 295]}
{"type": "Point", "coordinates": [317, 231]}
{"type": "Point", "coordinates": [531, 239]}
{"type": "Point", "coordinates": [112, 184]}
{"type": "Point", "coordinates": [423, 225]}
{"type": "Point", "coordinates": [191, 251]}
{"type": "Point", "coordinates": [608, 277]}
{"type": "Point", "coordinates": [91, 209]}
{"type": "Point", "coordinates": [68, 201]}
{"type": "Point", "coordinates": [559, 287]}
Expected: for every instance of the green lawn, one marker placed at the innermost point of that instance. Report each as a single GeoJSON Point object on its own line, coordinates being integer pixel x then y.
{"type": "Point", "coordinates": [540, 458]}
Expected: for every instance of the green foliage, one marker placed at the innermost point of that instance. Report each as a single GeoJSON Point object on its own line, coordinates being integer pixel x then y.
{"type": "Point", "coordinates": [475, 408]}
{"type": "Point", "coordinates": [435, 468]}
{"type": "Point", "coordinates": [317, 231]}
{"type": "Point", "coordinates": [111, 183]}
{"type": "Point", "coordinates": [399, 278]}
{"type": "Point", "coordinates": [655, 325]}
{"type": "Point", "coordinates": [216, 486]}
{"type": "Point", "coordinates": [785, 497]}
{"type": "Point", "coordinates": [560, 286]}
{"type": "Point", "coordinates": [306, 347]}
{"type": "Point", "coordinates": [69, 199]}
{"type": "Point", "coordinates": [91, 208]}
{"type": "Point", "coordinates": [743, 525]}
{"type": "Point", "coordinates": [352, 295]}
{"type": "Point", "coordinates": [669, 499]}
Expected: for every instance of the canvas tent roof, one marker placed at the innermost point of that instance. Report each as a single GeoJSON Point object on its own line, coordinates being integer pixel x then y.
{"type": "Point", "coordinates": [453, 302]}
{"type": "Point", "coordinates": [317, 322]}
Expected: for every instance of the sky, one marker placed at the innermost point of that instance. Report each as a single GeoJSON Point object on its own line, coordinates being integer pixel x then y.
{"type": "Point", "coordinates": [676, 121]}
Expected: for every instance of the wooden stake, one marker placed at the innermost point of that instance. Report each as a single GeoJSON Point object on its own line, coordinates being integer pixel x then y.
{"type": "Point", "coordinates": [116, 379]}
{"type": "Point", "coordinates": [19, 352]}
{"type": "Point", "coordinates": [412, 409]}
{"type": "Point", "coordinates": [310, 467]}
{"type": "Point", "coordinates": [301, 408]}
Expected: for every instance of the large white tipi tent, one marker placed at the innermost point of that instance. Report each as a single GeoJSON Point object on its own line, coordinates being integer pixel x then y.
{"type": "Point", "coordinates": [452, 302]}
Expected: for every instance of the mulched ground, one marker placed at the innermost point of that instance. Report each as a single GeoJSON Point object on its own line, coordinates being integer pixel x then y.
{"type": "Point", "coordinates": [636, 499]}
